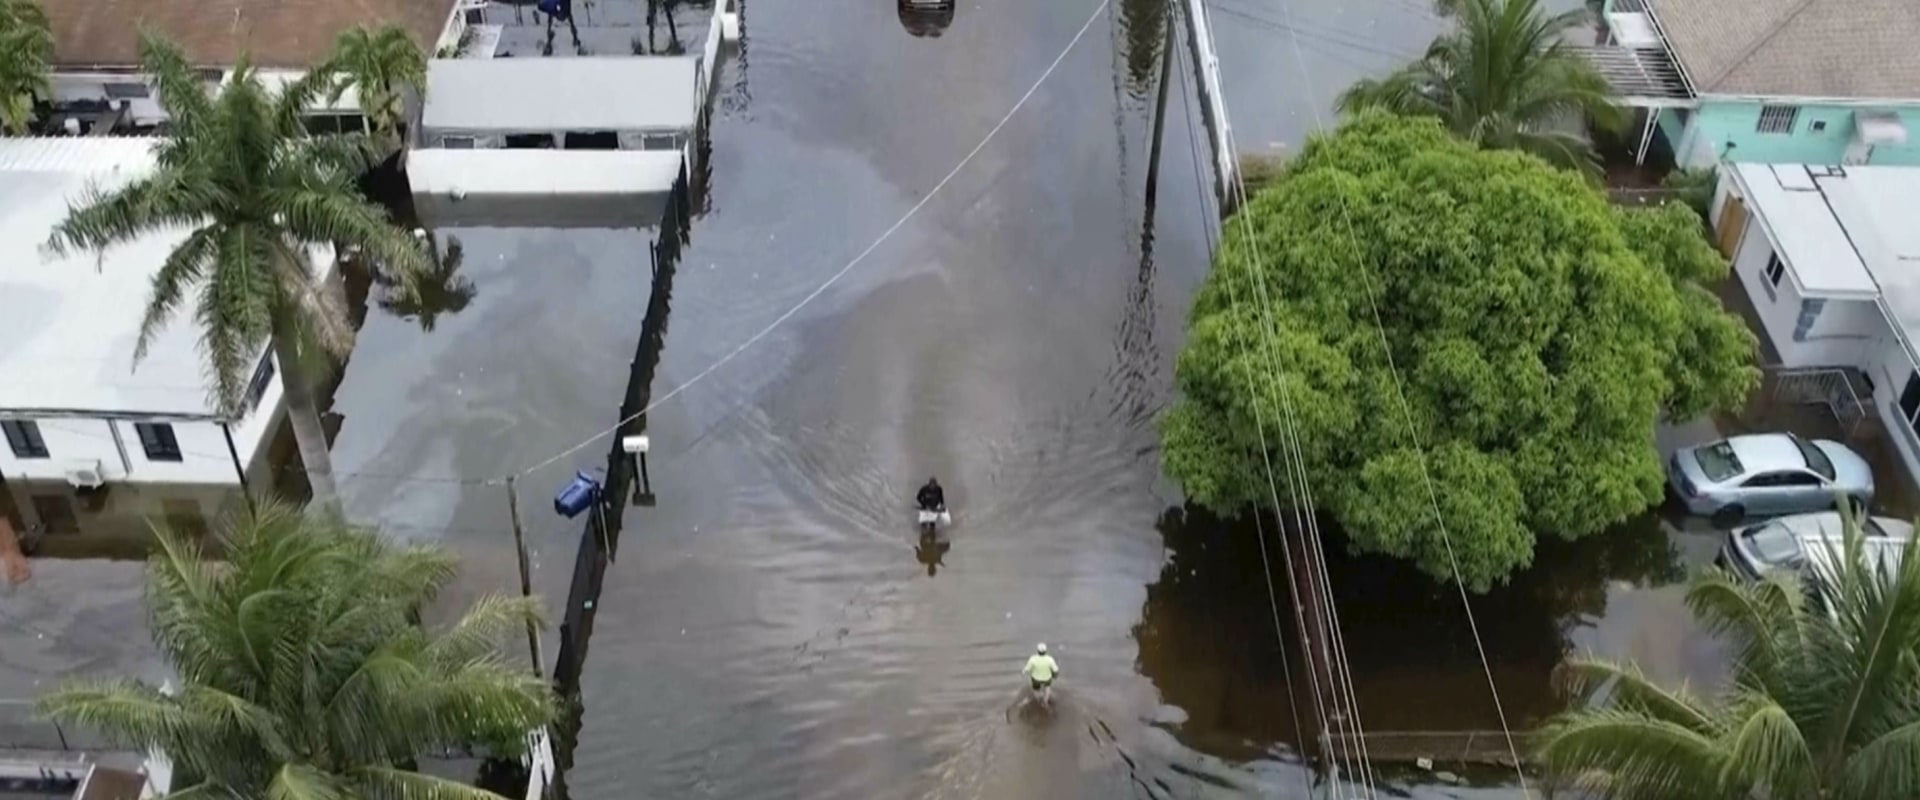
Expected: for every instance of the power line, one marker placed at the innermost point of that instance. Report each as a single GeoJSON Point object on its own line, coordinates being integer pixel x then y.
{"type": "Point", "coordinates": [1413, 432]}
{"type": "Point", "coordinates": [842, 272]}
{"type": "Point", "coordinates": [1200, 191]}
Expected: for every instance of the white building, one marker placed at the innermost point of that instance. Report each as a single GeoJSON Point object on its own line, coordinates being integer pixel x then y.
{"type": "Point", "coordinates": [73, 406]}
{"type": "Point", "coordinates": [1830, 257]}
{"type": "Point", "coordinates": [504, 140]}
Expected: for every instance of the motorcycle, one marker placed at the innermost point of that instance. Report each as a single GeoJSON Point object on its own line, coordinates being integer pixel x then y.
{"type": "Point", "coordinates": [1044, 696]}
{"type": "Point", "coordinates": [929, 517]}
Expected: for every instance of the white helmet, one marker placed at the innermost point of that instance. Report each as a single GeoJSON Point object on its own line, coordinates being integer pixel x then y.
{"type": "Point", "coordinates": [1041, 648]}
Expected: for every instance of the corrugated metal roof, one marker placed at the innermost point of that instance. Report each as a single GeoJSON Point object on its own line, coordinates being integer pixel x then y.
{"type": "Point", "coordinates": [76, 154]}
{"type": "Point", "coordinates": [562, 94]}
{"type": "Point", "coordinates": [1796, 48]}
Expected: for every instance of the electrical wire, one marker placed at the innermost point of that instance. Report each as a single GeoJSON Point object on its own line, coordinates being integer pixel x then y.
{"type": "Point", "coordinates": [1413, 433]}
{"type": "Point", "coordinates": [842, 272]}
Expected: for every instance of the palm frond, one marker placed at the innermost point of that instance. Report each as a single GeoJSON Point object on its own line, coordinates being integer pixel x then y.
{"type": "Point", "coordinates": [303, 782]}
{"type": "Point", "coordinates": [385, 783]}
{"type": "Point", "coordinates": [1769, 750]}
{"type": "Point", "coordinates": [480, 631]}
{"type": "Point", "coordinates": [185, 266]}
{"type": "Point", "coordinates": [1626, 687]}
{"type": "Point", "coordinates": [1618, 754]}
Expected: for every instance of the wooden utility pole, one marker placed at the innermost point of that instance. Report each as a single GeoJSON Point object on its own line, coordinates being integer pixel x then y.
{"type": "Point", "coordinates": [526, 577]}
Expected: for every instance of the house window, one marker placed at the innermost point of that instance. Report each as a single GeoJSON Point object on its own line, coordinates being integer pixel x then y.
{"type": "Point", "coordinates": [262, 378]}
{"type": "Point", "coordinates": [24, 437]}
{"type": "Point", "coordinates": [157, 439]}
{"type": "Point", "coordinates": [1777, 119]}
{"type": "Point", "coordinates": [128, 91]}
{"type": "Point", "coordinates": [457, 142]}
{"type": "Point", "coordinates": [1771, 274]}
{"type": "Point", "coordinates": [660, 141]}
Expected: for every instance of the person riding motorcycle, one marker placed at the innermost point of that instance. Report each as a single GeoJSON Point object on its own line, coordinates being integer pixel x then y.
{"type": "Point", "coordinates": [1041, 669]}
{"type": "Point", "coordinates": [931, 497]}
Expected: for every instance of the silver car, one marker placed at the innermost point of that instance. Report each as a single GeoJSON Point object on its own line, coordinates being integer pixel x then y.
{"type": "Point", "coordinates": [1799, 543]}
{"type": "Point", "coordinates": [1768, 473]}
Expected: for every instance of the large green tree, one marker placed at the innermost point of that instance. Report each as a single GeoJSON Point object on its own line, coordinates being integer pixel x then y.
{"type": "Point", "coordinates": [238, 170]}
{"type": "Point", "coordinates": [1535, 331]}
{"type": "Point", "coordinates": [382, 67]}
{"type": "Point", "coordinates": [302, 670]}
{"type": "Point", "coordinates": [1824, 701]}
{"type": "Point", "coordinates": [26, 50]}
{"type": "Point", "coordinates": [1503, 77]}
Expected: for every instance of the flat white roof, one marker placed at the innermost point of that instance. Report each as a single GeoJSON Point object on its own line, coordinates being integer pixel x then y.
{"type": "Point", "coordinates": [1804, 229]}
{"type": "Point", "coordinates": [482, 173]}
{"type": "Point", "coordinates": [630, 93]}
{"type": "Point", "coordinates": [68, 325]}
{"type": "Point", "coordinates": [1838, 226]}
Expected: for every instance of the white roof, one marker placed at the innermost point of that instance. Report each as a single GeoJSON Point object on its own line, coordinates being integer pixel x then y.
{"type": "Point", "coordinates": [68, 325]}
{"type": "Point", "coordinates": [562, 94]}
{"type": "Point", "coordinates": [1837, 226]}
{"type": "Point", "coordinates": [1804, 230]}
{"type": "Point", "coordinates": [542, 172]}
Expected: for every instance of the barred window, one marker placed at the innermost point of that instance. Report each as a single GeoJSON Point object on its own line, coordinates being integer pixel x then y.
{"type": "Point", "coordinates": [1777, 119]}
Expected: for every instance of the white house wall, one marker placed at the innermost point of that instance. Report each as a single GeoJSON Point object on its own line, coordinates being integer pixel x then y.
{"type": "Point", "coordinates": [203, 448]}
{"type": "Point", "coordinates": [1888, 367]}
{"type": "Point", "coordinates": [1842, 332]}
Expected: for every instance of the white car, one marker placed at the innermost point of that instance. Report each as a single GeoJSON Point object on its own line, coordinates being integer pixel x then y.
{"type": "Point", "coordinates": [1800, 543]}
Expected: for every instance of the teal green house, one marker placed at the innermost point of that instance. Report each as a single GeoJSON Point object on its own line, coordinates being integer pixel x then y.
{"type": "Point", "coordinates": [1769, 81]}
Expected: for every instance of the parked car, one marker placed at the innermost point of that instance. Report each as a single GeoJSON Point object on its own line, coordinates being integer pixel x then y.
{"type": "Point", "coordinates": [1799, 543]}
{"type": "Point", "coordinates": [1768, 473]}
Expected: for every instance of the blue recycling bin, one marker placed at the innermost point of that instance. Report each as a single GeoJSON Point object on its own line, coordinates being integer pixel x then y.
{"type": "Point", "coordinates": [574, 497]}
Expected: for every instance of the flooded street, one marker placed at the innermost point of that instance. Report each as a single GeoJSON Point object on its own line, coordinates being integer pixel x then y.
{"type": "Point", "coordinates": [772, 628]}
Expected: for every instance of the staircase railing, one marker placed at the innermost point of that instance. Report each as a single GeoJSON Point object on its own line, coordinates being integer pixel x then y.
{"type": "Point", "coordinates": [1828, 386]}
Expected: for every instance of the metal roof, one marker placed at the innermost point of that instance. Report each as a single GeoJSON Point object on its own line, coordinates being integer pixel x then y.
{"type": "Point", "coordinates": [1643, 77]}
{"type": "Point", "coordinates": [637, 93]}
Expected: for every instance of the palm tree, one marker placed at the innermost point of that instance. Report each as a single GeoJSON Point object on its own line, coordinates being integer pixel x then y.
{"type": "Point", "coordinates": [257, 191]}
{"type": "Point", "coordinates": [1824, 703]}
{"type": "Point", "coordinates": [1502, 78]}
{"type": "Point", "coordinates": [381, 67]}
{"type": "Point", "coordinates": [26, 48]}
{"type": "Point", "coordinates": [301, 671]}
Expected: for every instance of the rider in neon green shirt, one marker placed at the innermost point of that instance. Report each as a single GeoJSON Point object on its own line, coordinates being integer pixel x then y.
{"type": "Point", "coordinates": [1041, 669]}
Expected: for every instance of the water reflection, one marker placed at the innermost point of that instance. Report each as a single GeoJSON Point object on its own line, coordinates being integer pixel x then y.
{"type": "Point", "coordinates": [1143, 31]}
{"type": "Point", "coordinates": [442, 291]}
{"type": "Point", "coordinates": [1207, 634]}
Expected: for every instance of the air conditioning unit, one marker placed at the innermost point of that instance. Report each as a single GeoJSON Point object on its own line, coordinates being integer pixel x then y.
{"type": "Point", "coordinates": [85, 474]}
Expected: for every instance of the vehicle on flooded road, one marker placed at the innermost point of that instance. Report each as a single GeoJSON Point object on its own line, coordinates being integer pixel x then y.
{"type": "Point", "coordinates": [1768, 473]}
{"type": "Point", "coordinates": [1794, 543]}
{"type": "Point", "coordinates": [928, 18]}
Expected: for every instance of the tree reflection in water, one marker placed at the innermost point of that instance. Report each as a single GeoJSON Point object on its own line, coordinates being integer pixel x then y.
{"type": "Point", "coordinates": [1207, 637]}
{"type": "Point", "coordinates": [442, 291]}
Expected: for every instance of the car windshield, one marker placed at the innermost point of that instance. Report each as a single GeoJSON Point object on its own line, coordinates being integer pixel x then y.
{"type": "Point", "coordinates": [1816, 459]}
{"type": "Point", "coordinates": [1775, 545]}
{"type": "Point", "coordinates": [1717, 461]}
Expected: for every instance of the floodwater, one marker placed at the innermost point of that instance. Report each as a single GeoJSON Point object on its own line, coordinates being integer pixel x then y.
{"type": "Point", "coordinates": [773, 628]}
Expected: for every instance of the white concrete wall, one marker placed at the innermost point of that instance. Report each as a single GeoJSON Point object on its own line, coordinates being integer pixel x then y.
{"type": "Point", "coordinates": [1843, 331]}
{"type": "Point", "coordinates": [203, 447]}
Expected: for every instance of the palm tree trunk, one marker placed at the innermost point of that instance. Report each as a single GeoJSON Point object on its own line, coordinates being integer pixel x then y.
{"type": "Point", "coordinates": [308, 433]}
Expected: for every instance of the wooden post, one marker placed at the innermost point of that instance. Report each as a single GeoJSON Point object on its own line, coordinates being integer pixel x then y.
{"type": "Point", "coordinates": [526, 579]}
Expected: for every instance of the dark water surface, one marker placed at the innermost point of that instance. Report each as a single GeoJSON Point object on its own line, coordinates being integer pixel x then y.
{"type": "Point", "coordinates": [771, 629]}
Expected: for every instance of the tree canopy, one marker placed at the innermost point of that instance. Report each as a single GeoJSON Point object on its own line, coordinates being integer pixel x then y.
{"type": "Point", "coordinates": [26, 50]}
{"type": "Point", "coordinates": [302, 670]}
{"type": "Point", "coordinates": [1824, 701]}
{"type": "Point", "coordinates": [1532, 331]}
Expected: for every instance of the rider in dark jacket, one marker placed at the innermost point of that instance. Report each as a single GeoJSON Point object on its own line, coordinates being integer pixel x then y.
{"type": "Point", "coordinates": [931, 496]}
